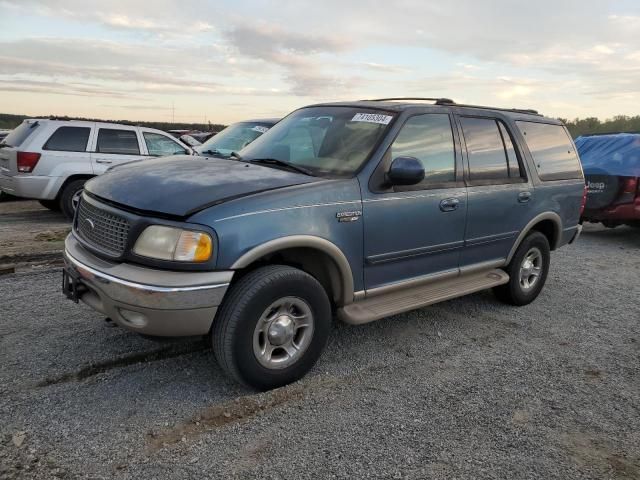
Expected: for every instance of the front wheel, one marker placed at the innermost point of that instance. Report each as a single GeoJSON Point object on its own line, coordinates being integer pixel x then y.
{"type": "Point", "coordinates": [527, 271]}
{"type": "Point", "coordinates": [272, 327]}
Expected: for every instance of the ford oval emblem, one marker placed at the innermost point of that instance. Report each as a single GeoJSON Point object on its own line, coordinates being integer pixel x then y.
{"type": "Point", "coordinates": [90, 223]}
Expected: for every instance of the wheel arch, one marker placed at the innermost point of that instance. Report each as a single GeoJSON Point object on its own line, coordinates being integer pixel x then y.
{"type": "Point", "coordinates": [547, 223]}
{"type": "Point", "coordinates": [317, 256]}
{"type": "Point", "coordinates": [72, 178]}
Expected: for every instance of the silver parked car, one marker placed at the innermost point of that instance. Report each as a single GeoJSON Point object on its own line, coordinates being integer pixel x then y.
{"type": "Point", "coordinates": [50, 160]}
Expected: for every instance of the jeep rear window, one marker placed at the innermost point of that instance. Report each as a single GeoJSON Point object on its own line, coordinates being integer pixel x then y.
{"type": "Point", "coordinates": [20, 134]}
{"type": "Point", "coordinates": [68, 139]}
{"type": "Point", "coordinates": [328, 141]}
{"type": "Point", "coordinates": [552, 150]}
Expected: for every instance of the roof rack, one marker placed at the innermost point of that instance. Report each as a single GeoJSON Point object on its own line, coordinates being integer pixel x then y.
{"type": "Point", "coordinates": [448, 101]}
{"type": "Point", "coordinates": [438, 101]}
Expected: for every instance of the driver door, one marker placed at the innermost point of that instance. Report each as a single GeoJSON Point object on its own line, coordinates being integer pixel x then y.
{"type": "Point", "coordinates": [416, 231]}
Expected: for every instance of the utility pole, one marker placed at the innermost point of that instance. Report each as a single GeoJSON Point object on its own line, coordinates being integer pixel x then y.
{"type": "Point", "coordinates": [173, 111]}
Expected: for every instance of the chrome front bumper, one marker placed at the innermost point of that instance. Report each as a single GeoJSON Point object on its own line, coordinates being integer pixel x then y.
{"type": "Point", "coordinates": [154, 302]}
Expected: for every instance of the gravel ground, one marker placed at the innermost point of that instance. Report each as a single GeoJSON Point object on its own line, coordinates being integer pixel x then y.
{"type": "Point", "coordinates": [469, 388]}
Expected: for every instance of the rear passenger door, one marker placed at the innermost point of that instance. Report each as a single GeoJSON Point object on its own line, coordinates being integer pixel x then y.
{"type": "Point", "coordinates": [65, 152]}
{"type": "Point", "coordinates": [115, 145]}
{"type": "Point", "coordinates": [499, 194]}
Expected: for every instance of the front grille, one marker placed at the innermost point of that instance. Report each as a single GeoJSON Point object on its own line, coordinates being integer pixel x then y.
{"type": "Point", "coordinates": [103, 230]}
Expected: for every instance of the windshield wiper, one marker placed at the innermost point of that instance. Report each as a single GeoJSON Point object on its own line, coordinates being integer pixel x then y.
{"type": "Point", "coordinates": [214, 151]}
{"type": "Point", "coordinates": [282, 163]}
{"type": "Point", "coordinates": [235, 155]}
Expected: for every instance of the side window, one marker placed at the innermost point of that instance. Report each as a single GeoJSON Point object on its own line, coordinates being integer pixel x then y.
{"type": "Point", "coordinates": [123, 142]}
{"type": "Point", "coordinates": [429, 139]}
{"type": "Point", "coordinates": [487, 156]}
{"type": "Point", "coordinates": [159, 145]}
{"type": "Point", "coordinates": [552, 150]}
{"type": "Point", "coordinates": [68, 139]}
{"type": "Point", "coordinates": [512, 157]}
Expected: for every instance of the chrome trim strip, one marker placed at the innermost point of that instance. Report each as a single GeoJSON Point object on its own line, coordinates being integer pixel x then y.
{"type": "Point", "coordinates": [414, 252]}
{"type": "Point", "coordinates": [271, 210]}
{"type": "Point", "coordinates": [139, 286]}
{"type": "Point", "coordinates": [491, 238]}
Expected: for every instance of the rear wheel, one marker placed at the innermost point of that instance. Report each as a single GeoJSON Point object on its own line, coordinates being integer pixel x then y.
{"type": "Point", "coordinates": [272, 327]}
{"type": "Point", "coordinates": [527, 271]}
{"type": "Point", "coordinates": [70, 197]}
{"type": "Point", "coordinates": [53, 205]}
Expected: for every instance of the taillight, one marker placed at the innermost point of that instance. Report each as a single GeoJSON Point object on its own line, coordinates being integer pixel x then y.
{"type": "Point", "coordinates": [630, 186]}
{"type": "Point", "coordinates": [27, 161]}
{"type": "Point", "coordinates": [584, 199]}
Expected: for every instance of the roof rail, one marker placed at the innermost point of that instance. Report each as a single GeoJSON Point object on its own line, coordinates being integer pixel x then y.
{"type": "Point", "coordinates": [529, 111]}
{"type": "Point", "coordinates": [448, 101]}
{"type": "Point", "coordinates": [438, 101]}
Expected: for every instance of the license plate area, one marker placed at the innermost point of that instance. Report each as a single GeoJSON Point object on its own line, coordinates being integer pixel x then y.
{"type": "Point", "coordinates": [72, 285]}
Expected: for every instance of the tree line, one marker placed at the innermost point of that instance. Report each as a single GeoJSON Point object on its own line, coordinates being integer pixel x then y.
{"type": "Point", "coordinates": [577, 127]}
{"type": "Point", "coordinates": [9, 121]}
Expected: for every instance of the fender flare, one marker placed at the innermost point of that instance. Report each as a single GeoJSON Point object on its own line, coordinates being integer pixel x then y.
{"type": "Point", "coordinates": [305, 241]}
{"type": "Point", "coordinates": [554, 217]}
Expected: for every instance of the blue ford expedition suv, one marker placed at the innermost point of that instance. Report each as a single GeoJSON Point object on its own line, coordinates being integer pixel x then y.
{"type": "Point", "coordinates": [359, 209]}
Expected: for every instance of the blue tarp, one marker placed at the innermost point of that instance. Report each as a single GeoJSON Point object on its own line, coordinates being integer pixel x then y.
{"type": "Point", "coordinates": [615, 154]}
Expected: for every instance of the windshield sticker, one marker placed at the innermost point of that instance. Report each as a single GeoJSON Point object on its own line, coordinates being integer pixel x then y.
{"type": "Point", "coordinates": [260, 129]}
{"type": "Point", "coordinates": [372, 118]}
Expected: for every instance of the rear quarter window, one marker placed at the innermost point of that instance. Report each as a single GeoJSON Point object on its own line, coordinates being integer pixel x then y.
{"type": "Point", "coordinates": [68, 139]}
{"type": "Point", "coordinates": [20, 134]}
{"type": "Point", "coordinates": [553, 153]}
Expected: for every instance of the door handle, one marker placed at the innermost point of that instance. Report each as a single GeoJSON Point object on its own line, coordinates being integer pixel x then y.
{"type": "Point", "coordinates": [449, 204]}
{"type": "Point", "coordinates": [102, 160]}
{"type": "Point", "coordinates": [524, 197]}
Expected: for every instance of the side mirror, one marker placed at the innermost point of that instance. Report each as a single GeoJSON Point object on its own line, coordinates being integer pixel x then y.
{"type": "Point", "coordinates": [405, 171]}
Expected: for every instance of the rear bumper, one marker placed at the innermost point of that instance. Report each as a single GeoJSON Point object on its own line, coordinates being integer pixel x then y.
{"type": "Point", "coordinates": [621, 213]}
{"type": "Point", "coordinates": [29, 186]}
{"type": "Point", "coordinates": [148, 301]}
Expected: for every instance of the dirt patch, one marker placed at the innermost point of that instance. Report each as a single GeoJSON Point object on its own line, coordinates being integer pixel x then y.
{"type": "Point", "coordinates": [234, 411]}
{"type": "Point", "coordinates": [52, 235]}
{"type": "Point", "coordinates": [590, 453]}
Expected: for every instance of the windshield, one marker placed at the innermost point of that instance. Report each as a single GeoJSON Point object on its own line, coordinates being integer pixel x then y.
{"type": "Point", "coordinates": [333, 141]}
{"type": "Point", "coordinates": [233, 138]}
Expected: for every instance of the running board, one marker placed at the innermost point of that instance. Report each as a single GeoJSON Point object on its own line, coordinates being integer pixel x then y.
{"type": "Point", "coordinates": [399, 301]}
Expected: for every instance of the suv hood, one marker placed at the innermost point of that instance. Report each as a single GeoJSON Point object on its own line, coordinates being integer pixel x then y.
{"type": "Point", "coordinates": [182, 185]}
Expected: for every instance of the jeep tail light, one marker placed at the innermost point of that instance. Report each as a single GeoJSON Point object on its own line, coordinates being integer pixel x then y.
{"type": "Point", "coordinates": [27, 161]}
{"type": "Point", "coordinates": [584, 199]}
{"type": "Point", "coordinates": [629, 190]}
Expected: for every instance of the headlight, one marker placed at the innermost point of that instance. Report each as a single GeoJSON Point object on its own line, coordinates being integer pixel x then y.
{"type": "Point", "coordinates": [168, 243]}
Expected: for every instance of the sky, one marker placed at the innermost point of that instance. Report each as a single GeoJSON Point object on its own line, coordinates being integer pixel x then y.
{"type": "Point", "coordinates": [224, 61]}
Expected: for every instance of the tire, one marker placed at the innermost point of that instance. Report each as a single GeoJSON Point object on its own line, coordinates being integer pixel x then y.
{"type": "Point", "coordinates": [247, 324]}
{"type": "Point", "coordinates": [522, 290]}
{"type": "Point", "coordinates": [71, 190]}
{"type": "Point", "coordinates": [52, 205]}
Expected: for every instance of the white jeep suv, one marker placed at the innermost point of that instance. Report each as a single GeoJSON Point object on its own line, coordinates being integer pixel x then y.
{"type": "Point", "coordinates": [50, 160]}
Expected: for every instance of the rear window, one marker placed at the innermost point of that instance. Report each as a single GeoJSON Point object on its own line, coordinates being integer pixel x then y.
{"type": "Point", "coordinates": [20, 134]}
{"type": "Point", "coordinates": [552, 150]}
{"type": "Point", "coordinates": [68, 139]}
{"type": "Point", "coordinates": [123, 142]}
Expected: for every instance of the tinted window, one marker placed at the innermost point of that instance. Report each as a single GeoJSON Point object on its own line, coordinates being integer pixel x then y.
{"type": "Point", "coordinates": [512, 156]}
{"type": "Point", "coordinates": [124, 142]}
{"type": "Point", "coordinates": [486, 152]}
{"type": "Point", "coordinates": [68, 139]}
{"type": "Point", "coordinates": [20, 134]}
{"type": "Point", "coordinates": [161, 145]}
{"type": "Point", "coordinates": [429, 139]}
{"type": "Point", "coordinates": [552, 151]}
